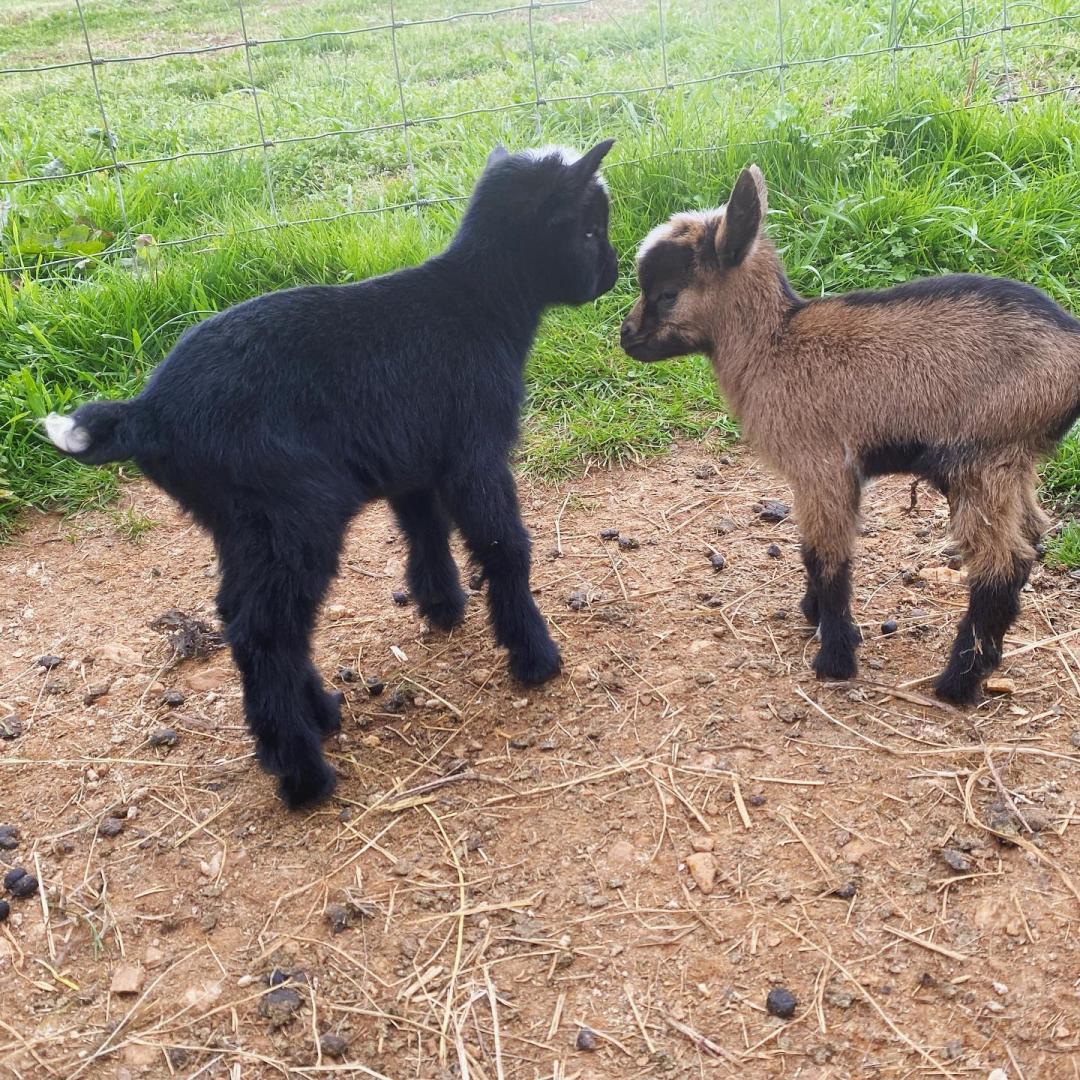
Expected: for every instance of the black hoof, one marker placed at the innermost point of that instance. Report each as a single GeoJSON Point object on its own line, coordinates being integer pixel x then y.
{"type": "Point", "coordinates": [836, 664]}
{"type": "Point", "coordinates": [444, 614]}
{"type": "Point", "coordinates": [536, 663]}
{"type": "Point", "coordinates": [302, 790]}
{"type": "Point", "coordinates": [958, 687]}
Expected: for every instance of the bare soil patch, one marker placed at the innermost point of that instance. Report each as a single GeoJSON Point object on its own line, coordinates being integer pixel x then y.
{"type": "Point", "coordinates": [602, 878]}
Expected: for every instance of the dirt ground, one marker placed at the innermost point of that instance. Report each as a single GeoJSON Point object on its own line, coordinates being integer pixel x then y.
{"type": "Point", "coordinates": [516, 884]}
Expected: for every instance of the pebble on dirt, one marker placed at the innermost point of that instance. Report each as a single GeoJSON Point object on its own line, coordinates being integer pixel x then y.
{"type": "Point", "coordinates": [19, 883]}
{"type": "Point", "coordinates": [9, 837]}
{"type": "Point", "coordinates": [94, 693]}
{"type": "Point", "coordinates": [846, 891]}
{"type": "Point", "coordinates": [172, 698]}
{"type": "Point", "coordinates": [5, 910]}
{"type": "Point", "coordinates": [586, 1039]}
{"type": "Point", "coordinates": [48, 661]}
{"type": "Point", "coordinates": [890, 626]}
{"type": "Point", "coordinates": [375, 686]}
{"type": "Point", "coordinates": [111, 826]}
{"type": "Point", "coordinates": [338, 918]}
{"type": "Point", "coordinates": [577, 600]}
{"type": "Point", "coordinates": [702, 867]}
{"type": "Point", "coordinates": [279, 1006]}
{"type": "Point", "coordinates": [164, 736]}
{"type": "Point", "coordinates": [10, 728]}
{"type": "Point", "coordinates": [127, 979]}
{"type": "Point", "coordinates": [333, 1045]}
{"type": "Point", "coordinates": [718, 561]}
{"type": "Point", "coordinates": [347, 674]}
{"type": "Point", "coordinates": [773, 510]}
{"type": "Point", "coordinates": [781, 1002]}
{"type": "Point", "coordinates": [628, 543]}
{"type": "Point", "coordinates": [956, 861]}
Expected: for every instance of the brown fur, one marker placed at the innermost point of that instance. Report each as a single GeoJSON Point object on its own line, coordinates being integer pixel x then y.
{"type": "Point", "coordinates": [984, 385]}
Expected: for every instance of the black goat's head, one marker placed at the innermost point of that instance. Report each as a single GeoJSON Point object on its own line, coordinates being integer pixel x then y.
{"type": "Point", "coordinates": [547, 211]}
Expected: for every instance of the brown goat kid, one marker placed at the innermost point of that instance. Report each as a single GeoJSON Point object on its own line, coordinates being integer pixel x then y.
{"type": "Point", "coordinates": [961, 380]}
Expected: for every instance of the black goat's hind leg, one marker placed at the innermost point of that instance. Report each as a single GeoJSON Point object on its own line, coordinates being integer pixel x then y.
{"type": "Point", "coordinates": [484, 503]}
{"type": "Point", "coordinates": [274, 572]}
{"type": "Point", "coordinates": [432, 573]}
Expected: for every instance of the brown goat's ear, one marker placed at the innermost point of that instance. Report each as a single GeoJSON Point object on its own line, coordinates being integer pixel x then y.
{"type": "Point", "coordinates": [586, 165]}
{"type": "Point", "coordinates": [743, 217]}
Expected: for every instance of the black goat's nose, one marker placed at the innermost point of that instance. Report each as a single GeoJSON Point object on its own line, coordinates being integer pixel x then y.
{"type": "Point", "coordinates": [626, 330]}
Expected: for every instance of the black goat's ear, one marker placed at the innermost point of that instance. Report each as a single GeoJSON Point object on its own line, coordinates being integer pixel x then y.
{"type": "Point", "coordinates": [743, 217]}
{"type": "Point", "coordinates": [585, 167]}
{"type": "Point", "coordinates": [499, 153]}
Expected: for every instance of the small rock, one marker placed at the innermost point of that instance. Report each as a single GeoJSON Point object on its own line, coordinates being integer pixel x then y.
{"type": "Point", "coordinates": [119, 654]}
{"type": "Point", "coordinates": [400, 597]}
{"type": "Point", "coordinates": [702, 843]}
{"type": "Point", "coordinates": [479, 676]}
{"type": "Point", "coordinates": [5, 910]}
{"type": "Point", "coordinates": [846, 891]}
{"type": "Point", "coordinates": [48, 661]}
{"type": "Point", "coordinates": [375, 686]}
{"type": "Point", "coordinates": [127, 979]}
{"type": "Point", "coordinates": [95, 693]}
{"type": "Point", "coordinates": [1000, 989]}
{"type": "Point", "coordinates": [19, 883]}
{"type": "Point", "coordinates": [10, 727]}
{"type": "Point", "coordinates": [756, 800]}
{"type": "Point", "coordinates": [110, 827]}
{"type": "Point", "coordinates": [839, 996]}
{"type": "Point", "coordinates": [998, 1074]}
{"type": "Point", "coordinates": [772, 510]}
{"type": "Point", "coordinates": [724, 526]}
{"type": "Point", "coordinates": [211, 678]}
{"type": "Point", "coordinates": [9, 837]}
{"type": "Point", "coordinates": [164, 736]}
{"type": "Point", "coordinates": [998, 684]}
{"type": "Point", "coordinates": [172, 698]}
{"type": "Point", "coordinates": [333, 1045]}
{"type": "Point", "coordinates": [577, 600]}
{"type": "Point", "coordinates": [957, 861]}
{"type": "Point", "coordinates": [717, 560]}
{"type": "Point", "coordinates": [780, 1002]}
{"type": "Point", "coordinates": [890, 626]}
{"type": "Point", "coordinates": [773, 551]}
{"type": "Point", "coordinates": [628, 543]}
{"type": "Point", "coordinates": [609, 534]}
{"type": "Point", "coordinates": [702, 867]}
{"type": "Point", "coordinates": [586, 1039]}
{"type": "Point", "coordinates": [953, 1049]}
{"type": "Point", "coordinates": [347, 674]}
{"type": "Point", "coordinates": [338, 918]}
{"type": "Point", "coordinates": [279, 1006]}
{"type": "Point", "coordinates": [943, 575]}
{"type": "Point", "coordinates": [1074, 738]}
{"type": "Point", "coordinates": [703, 472]}
{"type": "Point", "coordinates": [523, 741]}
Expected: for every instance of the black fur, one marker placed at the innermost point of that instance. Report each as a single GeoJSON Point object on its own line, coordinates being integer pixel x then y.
{"type": "Point", "coordinates": [976, 652]}
{"type": "Point", "coordinates": [934, 464]}
{"type": "Point", "coordinates": [274, 422]}
{"type": "Point", "coordinates": [1003, 293]}
{"type": "Point", "coordinates": [827, 603]}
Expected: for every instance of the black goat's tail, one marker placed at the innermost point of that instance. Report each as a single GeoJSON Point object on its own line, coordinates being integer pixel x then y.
{"type": "Point", "coordinates": [99, 432]}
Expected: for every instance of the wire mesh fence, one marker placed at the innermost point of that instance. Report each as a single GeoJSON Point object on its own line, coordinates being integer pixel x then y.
{"type": "Point", "coordinates": [1012, 20]}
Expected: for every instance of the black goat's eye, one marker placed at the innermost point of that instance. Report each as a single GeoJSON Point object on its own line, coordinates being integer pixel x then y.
{"type": "Point", "coordinates": [589, 234]}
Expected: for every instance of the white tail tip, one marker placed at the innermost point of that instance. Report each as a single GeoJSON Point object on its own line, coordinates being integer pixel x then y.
{"type": "Point", "coordinates": [66, 434]}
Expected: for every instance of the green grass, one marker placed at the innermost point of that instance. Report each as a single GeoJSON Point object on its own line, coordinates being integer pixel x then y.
{"type": "Point", "coordinates": [876, 175]}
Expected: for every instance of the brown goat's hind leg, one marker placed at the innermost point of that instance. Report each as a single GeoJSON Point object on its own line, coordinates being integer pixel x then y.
{"type": "Point", "coordinates": [993, 522]}
{"type": "Point", "coordinates": [827, 522]}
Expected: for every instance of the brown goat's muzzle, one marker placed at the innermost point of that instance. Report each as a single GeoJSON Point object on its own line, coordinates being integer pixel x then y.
{"type": "Point", "coordinates": [645, 343]}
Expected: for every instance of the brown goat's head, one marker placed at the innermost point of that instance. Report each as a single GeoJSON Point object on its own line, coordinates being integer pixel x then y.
{"type": "Point", "coordinates": [685, 267]}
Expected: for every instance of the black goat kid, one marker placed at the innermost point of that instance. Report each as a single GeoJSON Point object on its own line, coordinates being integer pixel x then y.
{"type": "Point", "coordinates": [275, 421]}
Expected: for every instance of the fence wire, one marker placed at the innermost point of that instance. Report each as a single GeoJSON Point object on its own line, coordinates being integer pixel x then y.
{"type": "Point", "coordinates": [394, 26]}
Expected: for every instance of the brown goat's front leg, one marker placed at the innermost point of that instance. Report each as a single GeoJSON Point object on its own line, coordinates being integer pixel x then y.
{"type": "Point", "coordinates": [827, 514]}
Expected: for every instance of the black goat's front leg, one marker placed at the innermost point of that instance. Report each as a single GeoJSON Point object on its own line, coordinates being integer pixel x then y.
{"type": "Point", "coordinates": [827, 514]}
{"type": "Point", "coordinates": [483, 502]}
{"type": "Point", "coordinates": [432, 574]}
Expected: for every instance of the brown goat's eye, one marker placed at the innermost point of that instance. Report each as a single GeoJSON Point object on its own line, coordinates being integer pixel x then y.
{"type": "Point", "coordinates": [669, 296]}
